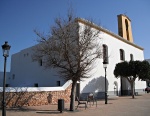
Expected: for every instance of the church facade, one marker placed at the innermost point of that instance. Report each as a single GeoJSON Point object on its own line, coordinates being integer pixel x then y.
{"type": "Point", "coordinates": [27, 73]}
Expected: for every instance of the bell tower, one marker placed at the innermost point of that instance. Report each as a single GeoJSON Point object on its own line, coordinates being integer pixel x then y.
{"type": "Point", "coordinates": [124, 27]}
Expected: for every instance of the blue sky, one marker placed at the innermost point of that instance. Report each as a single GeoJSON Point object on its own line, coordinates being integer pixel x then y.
{"type": "Point", "coordinates": [18, 19]}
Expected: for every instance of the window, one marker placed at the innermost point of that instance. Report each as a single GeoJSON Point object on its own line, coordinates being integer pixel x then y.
{"type": "Point", "coordinates": [40, 62]}
{"type": "Point", "coordinates": [105, 52]}
{"type": "Point", "coordinates": [122, 56]}
{"type": "Point", "coordinates": [36, 85]}
{"type": "Point", "coordinates": [6, 85]}
{"type": "Point", "coordinates": [58, 83]}
{"type": "Point", "coordinates": [13, 76]}
{"type": "Point", "coordinates": [148, 84]}
{"type": "Point", "coordinates": [131, 57]}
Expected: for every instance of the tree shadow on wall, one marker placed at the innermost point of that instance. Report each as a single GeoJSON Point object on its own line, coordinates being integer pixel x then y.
{"type": "Point", "coordinates": [96, 85]}
{"type": "Point", "coordinates": [18, 98]}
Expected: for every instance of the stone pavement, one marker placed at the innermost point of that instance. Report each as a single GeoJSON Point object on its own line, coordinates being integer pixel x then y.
{"type": "Point", "coordinates": [120, 106]}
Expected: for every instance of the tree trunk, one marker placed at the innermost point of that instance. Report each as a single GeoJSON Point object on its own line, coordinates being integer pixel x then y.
{"type": "Point", "coordinates": [132, 89]}
{"type": "Point", "coordinates": [72, 96]}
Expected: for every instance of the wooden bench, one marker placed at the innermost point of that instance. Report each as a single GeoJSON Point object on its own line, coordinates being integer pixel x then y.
{"type": "Point", "coordinates": [79, 103]}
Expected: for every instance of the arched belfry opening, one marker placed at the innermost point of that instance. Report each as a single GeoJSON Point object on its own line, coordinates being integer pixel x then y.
{"type": "Point", "coordinates": [124, 27]}
{"type": "Point", "coordinates": [127, 30]}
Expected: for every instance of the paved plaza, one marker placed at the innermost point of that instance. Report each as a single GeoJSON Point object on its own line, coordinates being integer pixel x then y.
{"type": "Point", "coordinates": [119, 106]}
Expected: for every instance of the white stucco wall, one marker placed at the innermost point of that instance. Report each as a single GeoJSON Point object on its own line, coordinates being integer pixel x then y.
{"type": "Point", "coordinates": [97, 81]}
{"type": "Point", "coordinates": [25, 72]}
{"type": "Point", "coordinates": [2, 77]}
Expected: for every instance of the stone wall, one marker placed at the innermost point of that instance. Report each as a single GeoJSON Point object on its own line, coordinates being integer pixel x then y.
{"type": "Point", "coordinates": [19, 99]}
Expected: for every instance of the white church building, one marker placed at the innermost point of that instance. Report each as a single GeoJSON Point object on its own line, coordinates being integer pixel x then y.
{"type": "Point", "coordinates": [28, 73]}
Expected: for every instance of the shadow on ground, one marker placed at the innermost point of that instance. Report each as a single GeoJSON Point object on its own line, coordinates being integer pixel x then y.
{"type": "Point", "coordinates": [48, 112]}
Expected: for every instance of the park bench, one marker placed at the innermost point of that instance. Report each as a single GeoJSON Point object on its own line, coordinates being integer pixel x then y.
{"type": "Point", "coordinates": [81, 102]}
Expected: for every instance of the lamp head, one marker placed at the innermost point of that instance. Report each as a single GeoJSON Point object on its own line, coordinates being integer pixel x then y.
{"type": "Point", "coordinates": [6, 49]}
{"type": "Point", "coordinates": [105, 63]}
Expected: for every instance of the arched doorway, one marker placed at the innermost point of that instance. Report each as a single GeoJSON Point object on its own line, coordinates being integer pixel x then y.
{"type": "Point", "coordinates": [115, 88]}
{"type": "Point", "coordinates": [124, 86]}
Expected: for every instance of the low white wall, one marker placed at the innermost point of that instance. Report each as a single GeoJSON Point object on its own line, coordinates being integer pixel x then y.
{"type": "Point", "coordinates": [36, 89]}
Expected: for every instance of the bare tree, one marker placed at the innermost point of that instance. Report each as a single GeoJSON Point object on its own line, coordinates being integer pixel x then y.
{"type": "Point", "coordinates": [71, 47]}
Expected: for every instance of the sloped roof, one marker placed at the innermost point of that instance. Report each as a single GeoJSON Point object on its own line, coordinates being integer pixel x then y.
{"type": "Point", "coordinates": [80, 20]}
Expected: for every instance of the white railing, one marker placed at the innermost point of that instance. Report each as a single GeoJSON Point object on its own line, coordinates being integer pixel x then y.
{"type": "Point", "coordinates": [36, 89]}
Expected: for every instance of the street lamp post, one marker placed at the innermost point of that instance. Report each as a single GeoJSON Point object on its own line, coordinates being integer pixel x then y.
{"type": "Point", "coordinates": [6, 49]}
{"type": "Point", "coordinates": [105, 67]}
